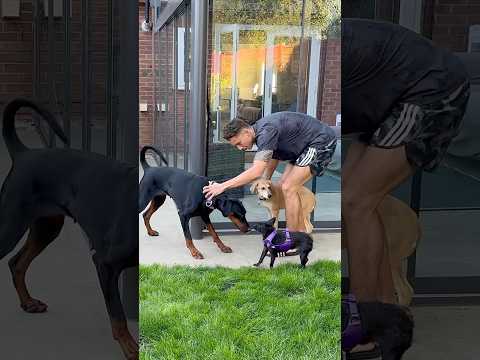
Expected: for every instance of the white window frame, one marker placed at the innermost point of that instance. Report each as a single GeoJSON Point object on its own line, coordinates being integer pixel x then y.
{"type": "Point", "coordinates": [180, 85]}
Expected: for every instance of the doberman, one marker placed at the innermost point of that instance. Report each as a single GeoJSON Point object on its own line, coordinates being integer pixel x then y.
{"type": "Point", "coordinates": [45, 185]}
{"type": "Point", "coordinates": [186, 190]}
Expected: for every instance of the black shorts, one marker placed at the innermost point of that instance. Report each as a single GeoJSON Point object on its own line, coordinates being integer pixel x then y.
{"type": "Point", "coordinates": [317, 158]}
{"type": "Point", "coordinates": [425, 130]}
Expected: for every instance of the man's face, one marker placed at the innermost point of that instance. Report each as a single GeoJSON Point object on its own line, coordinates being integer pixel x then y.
{"type": "Point", "coordinates": [243, 140]}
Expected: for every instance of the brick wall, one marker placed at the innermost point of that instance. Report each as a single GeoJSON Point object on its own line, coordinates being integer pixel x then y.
{"type": "Point", "coordinates": [16, 54]}
{"type": "Point", "coordinates": [146, 84]}
{"type": "Point", "coordinates": [451, 20]}
{"type": "Point", "coordinates": [17, 58]}
{"type": "Point", "coordinates": [330, 96]}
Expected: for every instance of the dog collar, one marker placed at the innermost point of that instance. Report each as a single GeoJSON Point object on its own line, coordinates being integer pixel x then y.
{"type": "Point", "coordinates": [209, 203]}
{"type": "Point", "coordinates": [352, 335]}
{"type": "Point", "coordinates": [283, 247]}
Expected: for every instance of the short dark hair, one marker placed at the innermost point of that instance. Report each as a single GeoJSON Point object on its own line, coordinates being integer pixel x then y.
{"type": "Point", "coordinates": [234, 127]}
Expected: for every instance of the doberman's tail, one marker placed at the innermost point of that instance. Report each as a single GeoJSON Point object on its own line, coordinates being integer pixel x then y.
{"type": "Point", "coordinates": [144, 150]}
{"type": "Point", "coordinates": [14, 145]}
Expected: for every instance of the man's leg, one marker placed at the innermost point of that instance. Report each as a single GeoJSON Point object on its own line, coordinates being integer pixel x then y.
{"type": "Point", "coordinates": [386, 290]}
{"type": "Point", "coordinates": [375, 174]}
{"type": "Point", "coordinates": [294, 180]}
{"type": "Point", "coordinates": [355, 152]}
{"type": "Point", "coordinates": [288, 168]}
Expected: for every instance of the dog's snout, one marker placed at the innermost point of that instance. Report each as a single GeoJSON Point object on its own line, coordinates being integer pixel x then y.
{"type": "Point", "coordinates": [269, 196]}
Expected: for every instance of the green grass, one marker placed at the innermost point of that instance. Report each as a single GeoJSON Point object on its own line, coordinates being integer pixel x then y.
{"type": "Point", "coordinates": [226, 314]}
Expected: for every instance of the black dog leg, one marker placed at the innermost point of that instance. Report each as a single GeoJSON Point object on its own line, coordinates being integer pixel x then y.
{"type": "Point", "coordinates": [273, 256]}
{"type": "Point", "coordinates": [155, 204]}
{"type": "Point", "coordinates": [188, 237]}
{"type": "Point", "coordinates": [262, 256]}
{"type": "Point", "coordinates": [108, 275]}
{"type": "Point", "coordinates": [42, 233]}
{"type": "Point", "coordinates": [13, 226]}
{"type": "Point", "coordinates": [223, 248]}
{"type": "Point", "coordinates": [303, 258]}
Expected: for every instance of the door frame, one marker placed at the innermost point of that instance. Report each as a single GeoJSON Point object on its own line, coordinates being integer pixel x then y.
{"type": "Point", "coordinates": [271, 32]}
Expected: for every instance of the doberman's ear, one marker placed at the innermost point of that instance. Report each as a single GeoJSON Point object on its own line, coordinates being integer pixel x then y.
{"type": "Point", "coordinates": [271, 221]}
{"type": "Point", "coordinates": [222, 204]}
{"type": "Point", "coordinates": [256, 227]}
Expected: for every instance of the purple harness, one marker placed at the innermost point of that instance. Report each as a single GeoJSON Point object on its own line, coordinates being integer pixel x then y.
{"type": "Point", "coordinates": [352, 335]}
{"type": "Point", "coordinates": [283, 247]}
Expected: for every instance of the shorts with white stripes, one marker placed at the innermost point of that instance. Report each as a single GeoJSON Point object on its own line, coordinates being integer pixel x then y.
{"type": "Point", "coordinates": [316, 157]}
{"type": "Point", "coordinates": [425, 130]}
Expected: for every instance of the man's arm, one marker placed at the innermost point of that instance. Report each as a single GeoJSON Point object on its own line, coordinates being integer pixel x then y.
{"type": "Point", "coordinates": [270, 168]}
{"type": "Point", "coordinates": [262, 157]}
{"type": "Point", "coordinates": [247, 176]}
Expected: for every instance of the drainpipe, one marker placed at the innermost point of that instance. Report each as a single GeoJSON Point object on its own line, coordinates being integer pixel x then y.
{"type": "Point", "coordinates": [198, 121]}
{"type": "Point", "coordinates": [146, 24]}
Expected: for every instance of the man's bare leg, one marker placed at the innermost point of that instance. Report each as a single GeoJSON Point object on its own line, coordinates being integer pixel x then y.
{"type": "Point", "coordinates": [355, 152]}
{"type": "Point", "coordinates": [295, 179]}
{"type": "Point", "coordinates": [377, 172]}
{"type": "Point", "coordinates": [386, 288]}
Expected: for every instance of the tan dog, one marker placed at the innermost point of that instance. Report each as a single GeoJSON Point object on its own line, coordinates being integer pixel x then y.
{"type": "Point", "coordinates": [402, 231]}
{"type": "Point", "coordinates": [271, 196]}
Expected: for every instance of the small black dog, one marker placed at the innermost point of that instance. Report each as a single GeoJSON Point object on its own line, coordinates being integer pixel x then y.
{"type": "Point", "coordinates": [389, 325]}
{"type": "Point", "coordinates": [302, 242]}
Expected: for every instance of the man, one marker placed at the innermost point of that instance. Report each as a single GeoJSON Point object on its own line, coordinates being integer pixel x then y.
{"type": "Point", "coordinates": [305, 142]}
{"type": "Point", "coordinates": [406, 99]}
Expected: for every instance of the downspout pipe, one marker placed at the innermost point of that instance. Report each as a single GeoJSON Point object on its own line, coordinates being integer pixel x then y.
{"type": "Point", "coordinates": [147, 25]}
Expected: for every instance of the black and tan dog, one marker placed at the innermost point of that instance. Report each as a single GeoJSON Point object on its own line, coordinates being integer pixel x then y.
{"type": "Point", "coordinates": [186, 190]}
{"type": "Point", "coordinates": [45, 185]}
{"type": "Point", "coordinates": [301, 242]}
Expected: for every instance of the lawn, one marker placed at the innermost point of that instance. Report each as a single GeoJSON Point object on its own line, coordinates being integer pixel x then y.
{"type": "Point", "coordinates": [225, 314]}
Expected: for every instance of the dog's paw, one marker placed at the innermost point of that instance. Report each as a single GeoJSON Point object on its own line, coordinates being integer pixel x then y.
{"type": "Point", "coordinates": [34, 306]}
{"type": "Point", "coordinates": [153, 233]}
{"type": "Point", "coordinates": [226, 249]}
{"type": "Point", "coordinates": [197, 255]}
{"type": "Point", "coordinates": [256, 264]}
{"type": "Point", "coordinates": [129, 347]}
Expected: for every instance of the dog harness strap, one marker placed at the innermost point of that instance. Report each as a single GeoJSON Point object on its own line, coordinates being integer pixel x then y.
{"type": "Point", "coordinates": [352, 335]}
{"type": "Point", "coordinates": [283, 247]}
{"type": "Point", "coordinates": [268, 240]}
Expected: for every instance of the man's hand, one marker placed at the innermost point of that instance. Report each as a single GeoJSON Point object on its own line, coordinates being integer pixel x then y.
{"type": "Point", "coordinates": [244, 178]}
{"type": "Point", "coordinates": [213, 189]}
